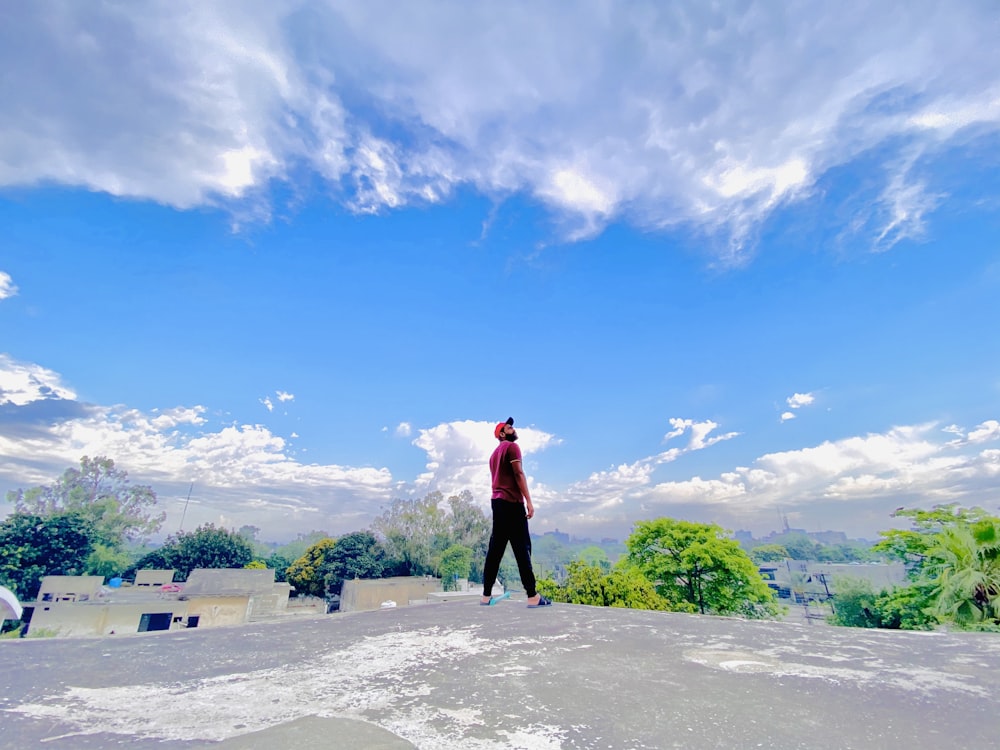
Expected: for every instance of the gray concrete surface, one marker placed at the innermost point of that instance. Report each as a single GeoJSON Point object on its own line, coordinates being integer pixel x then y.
{"type": "Point", "coordinates": [457, 675]}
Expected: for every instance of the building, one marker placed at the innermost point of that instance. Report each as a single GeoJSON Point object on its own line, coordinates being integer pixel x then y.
{"type": "Point", "coordinates": [77, 606]}
{"type": "Point", "coordinates": [370, 594]}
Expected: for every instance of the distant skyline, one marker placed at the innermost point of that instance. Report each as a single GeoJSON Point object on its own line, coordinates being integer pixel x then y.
{"type": "Point", "coordinates": [721, 264]}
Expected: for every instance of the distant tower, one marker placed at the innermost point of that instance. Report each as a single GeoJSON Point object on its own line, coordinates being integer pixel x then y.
{"type": "Point", "coordinates": [784, 521]}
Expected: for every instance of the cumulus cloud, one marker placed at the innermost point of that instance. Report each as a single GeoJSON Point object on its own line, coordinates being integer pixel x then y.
{"type": "Point", "coordinates": [798, 400]}
{"type": "Point", "coordinates": [609, 497]}
{"type": "Point", "coordinates": [404, 429]}
{"type": "Point", "coordinates": [838, 480]}
{"type": "Point", "coordinates": [241, 472]}
{"type": "Point", "coordinates": [988, 430]}
{"type": "Point", "coordinates": [655, 114]}
{"type": "Point", "coordinates": [457, 452]}
{"type": "Point", "coordinates": [22, 383]}
{"type": "Point", "coordinates": [785, 416]}
{"type": "Point", "coordinates": [268, 404]}
{"type": "Point", "coordinates": [244, 473]}
{"type": "Point", "coordinates": [7, 287]}
{"type": "Point", "coordinates": [284, 396]}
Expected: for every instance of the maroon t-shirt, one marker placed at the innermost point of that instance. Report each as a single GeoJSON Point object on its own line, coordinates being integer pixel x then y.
{"type": "Point", "coordinates": [504, 479]}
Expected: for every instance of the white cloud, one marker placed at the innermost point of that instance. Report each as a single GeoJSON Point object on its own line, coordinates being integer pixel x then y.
{"type": "Point", "coordinates": [988, 430]}
{"type": "Point", "coordinates": [243, 473]}
{"type": "Point", "coordinates": [284, 396]}
{"type": "Point", "coordinates": [7, 287]}
{"type": "Point", "coordinates": [610, 495]}
{"type": "Point", "coordinates": [798, 400]}
{"type": "Point", "coordinates": [268, 404]}
{"type": "Point", "coordinates": [838, 480]}
{"type": "Point", "coordinates": [23, 383]}
{"type": "Point", "coordinates": [404, 429]}
{"type": "Point", "coordinates": [699, 437]}
{"type": "Point", "coordinates": [457, 454]}
{"type": "Point", "coordinates": [785, 416]}
{"type": "Point", "coordinates": [712, 116]}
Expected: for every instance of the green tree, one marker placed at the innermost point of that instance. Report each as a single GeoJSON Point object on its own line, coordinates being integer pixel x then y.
{"type": "Point", "coordinates": [456, 561]}
{"type": "Point", "coordinates": [764, 553]}
{"type": "Point", "coordinates": [551, 556]}
{"type": "Point", "coordinates": [469, 527]}
{"type": "Point", "coordinates": [356, 555]}
{"type": "Point", "coordinates": [699, 564]}
{"type": "Point", "coordinates": [583, 585]}
{"type": "Point", "coordinates": [205, 547]}
{"type": "Point", "coordinates": [34, 546]}
{"type": "Point", "coordinates": [594, 555]}
{"type": "Point", "coordinates": [626, 586]}
{"type": "Point", "coordinates": [910, 546]}
{"type": "Point", "coordinates": [589, 584]}
{"type": "Point", "coordinates": [117, 509]}
{"type": "Point", "coordinates": [854, 603]}
{"type": "Point", "coordinates": [308, 573]}
{"type": "Point", "coordinates": [279, 564]}
{"type": "Point", "coordinates": [965, 564]}
{"type": "Point", "coordinates": [108, 561]}
{"type": "Point", "coordinates": [293, 550]}
{"type": "Point", "coordinates": [906, 608]}
{"type": "Point", "coordinates": [798, 546]}
{"type": "Point", "coordinates": [249, 532]}
{"type": "Point", "coordinates": [408, 530]}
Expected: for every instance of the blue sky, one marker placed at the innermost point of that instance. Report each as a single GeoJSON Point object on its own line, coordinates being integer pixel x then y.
{"type": "Point", "coordinates": [723, 265]}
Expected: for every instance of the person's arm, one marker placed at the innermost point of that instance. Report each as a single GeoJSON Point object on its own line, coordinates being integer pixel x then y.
{"type": "Point", "coordinates": [522, 484]}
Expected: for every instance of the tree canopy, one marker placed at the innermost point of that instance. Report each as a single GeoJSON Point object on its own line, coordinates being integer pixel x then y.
{"type": "Point", "coordinates": [205, 547]}
{"type": "Point", "coordinates": [952, 555]}
{"type": "Point", "coordinates": [699, 564]}
{"type": "Point", "coordinates": [308, 573]}
{"type": "Point", "coordinates": [764, 553]}
{"type": "Point", "coordinates": [415, 533]}
{"type": "Point", "coordinates": [101, 493]}
{"type": "Point", "coordinates": [34, 546]}
{"type": "Point", "coordinates": [355, 555]}
{"type": "Point", "coordinates": [624, 586]}
{"type": "Point", "coordinates": [456, 561]}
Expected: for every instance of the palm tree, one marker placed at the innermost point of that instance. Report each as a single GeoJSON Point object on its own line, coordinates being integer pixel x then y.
{"type": "Point", "coordinates": [965, 561]}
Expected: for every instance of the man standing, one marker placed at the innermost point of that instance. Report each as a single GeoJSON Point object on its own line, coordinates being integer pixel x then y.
{"type": "Point", "coordinates": [512, 508]}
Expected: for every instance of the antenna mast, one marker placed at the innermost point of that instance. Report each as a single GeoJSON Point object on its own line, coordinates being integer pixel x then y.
{"type": "Point", "coordinates": [181, 527]}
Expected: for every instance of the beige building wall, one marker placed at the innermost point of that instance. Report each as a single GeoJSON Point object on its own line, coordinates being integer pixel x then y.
{"type": "Point", "coordinates": [80, 606]}
{"type": "Point", "coordinates": [69, 588]}
{"type": "Point", "coordinates": [214, 611]}
{"type": "Point", "coordinates": [366, 595]}
{"type": "Point", "coordinates": [69, 620]}
{"type": "Point", "coordinates": [152, 578]}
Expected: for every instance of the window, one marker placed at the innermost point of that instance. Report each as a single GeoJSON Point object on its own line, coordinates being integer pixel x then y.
{"type": "Point", "coordinates": [155, 621]}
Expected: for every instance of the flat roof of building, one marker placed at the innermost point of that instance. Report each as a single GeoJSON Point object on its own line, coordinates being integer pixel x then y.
{"type": "Point", "coordinates": [461, 675]}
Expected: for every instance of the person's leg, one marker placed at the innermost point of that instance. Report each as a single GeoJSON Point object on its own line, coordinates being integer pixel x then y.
{"type": "Point", "coordinates": [498, 545]}
{"type": "Point", "coordinates": [520, 543]}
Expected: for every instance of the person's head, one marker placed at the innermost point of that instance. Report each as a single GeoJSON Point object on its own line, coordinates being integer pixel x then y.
{"type": "Point", "coordinates": [505, 430]}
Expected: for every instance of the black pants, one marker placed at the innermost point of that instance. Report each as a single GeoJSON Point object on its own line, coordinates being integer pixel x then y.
{"type": "Point", "coordinates": [510, 524]}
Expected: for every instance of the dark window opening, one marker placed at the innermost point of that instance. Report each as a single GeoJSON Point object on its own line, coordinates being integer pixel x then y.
{"type": "Point", "coordinates": [155, 621]}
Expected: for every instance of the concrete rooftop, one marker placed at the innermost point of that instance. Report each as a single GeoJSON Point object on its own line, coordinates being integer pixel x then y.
{"type": "Point", "coordinates": [457, 675]}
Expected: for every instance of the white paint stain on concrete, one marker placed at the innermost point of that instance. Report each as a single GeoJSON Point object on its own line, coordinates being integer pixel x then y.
{"type": "Point", "coordinates": [914, 679]}
{"type": "Point", "coordinates": [376, 680]}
